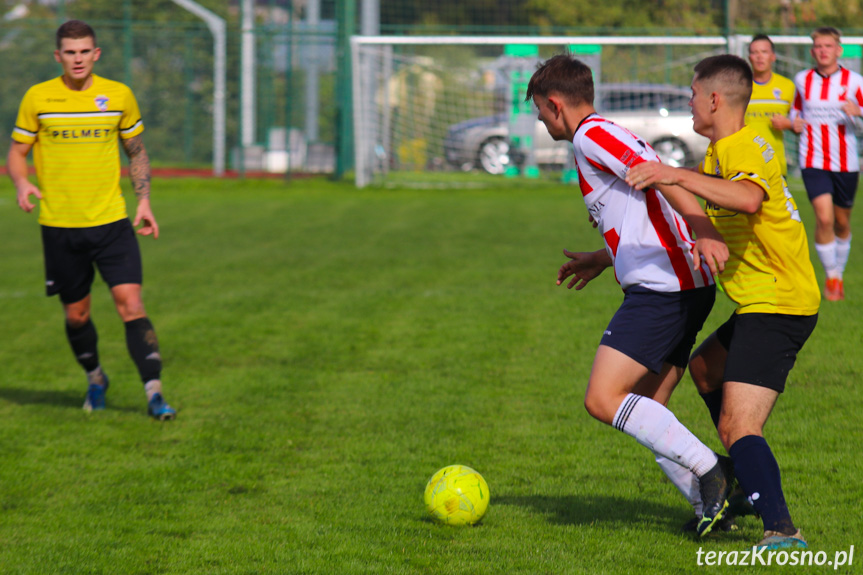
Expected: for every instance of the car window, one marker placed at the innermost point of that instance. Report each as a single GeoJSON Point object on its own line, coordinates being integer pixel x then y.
{"type": "Point", "coordinates": [626, 99]}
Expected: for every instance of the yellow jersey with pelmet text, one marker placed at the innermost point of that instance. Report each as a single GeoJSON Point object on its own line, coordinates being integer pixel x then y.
{"type": "Point", "coordinates": [769, 99]}
{"type": "Point", "coordinates": [768, 269]}
{"type": "Point", "coordinates": [75, 137]}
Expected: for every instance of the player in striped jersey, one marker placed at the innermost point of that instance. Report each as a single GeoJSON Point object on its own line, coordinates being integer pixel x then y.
{"type": "Point", "coordinates": [826, 109]}
{"type": "Point", "coordinates": [74, 124]}
{"type": "Point", "coordinates": [668, 289]}
{"type": "Point", "coordinates": [741, 368]}
{"type": "Point", "coordinates": [772, 96]}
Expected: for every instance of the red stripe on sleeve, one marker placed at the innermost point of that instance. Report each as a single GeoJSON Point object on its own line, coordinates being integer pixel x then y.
{"type": "Point", "coordinates": [613, 146]}
{"type": "Point", "coordinates": [601, 167]}
{"type": "Point", "coordinates": [669, 242]}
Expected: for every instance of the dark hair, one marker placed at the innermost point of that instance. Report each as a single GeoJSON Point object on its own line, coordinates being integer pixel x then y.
{"type": "Point", "coordinates": [729, 74]}
{"type": "Point", "coordinates": [759, 37]}
{"type": "Point", "coordinates": [565, 75]}
{"type": "Point", "coordinates": [75, 30]}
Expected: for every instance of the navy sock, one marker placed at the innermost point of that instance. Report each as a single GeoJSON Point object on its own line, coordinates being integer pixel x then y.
{"type": "Point", "coordinates": [758, 473]}
{"type": "Point", "coordinates": [713, 401]}
{"type": "Point", "coordinates": [84, 342]}
{"type": "Point", "coordinates": [144, 348]}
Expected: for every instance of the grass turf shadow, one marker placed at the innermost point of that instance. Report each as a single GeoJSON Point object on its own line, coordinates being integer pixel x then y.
{"type": "Point", "coordinates": [602, 509]}
{"type": "Point", "coordinates": [72, 399]}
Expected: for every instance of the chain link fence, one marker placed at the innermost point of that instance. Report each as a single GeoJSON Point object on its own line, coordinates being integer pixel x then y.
{"type": "Point", "coordinates": [169, 66]}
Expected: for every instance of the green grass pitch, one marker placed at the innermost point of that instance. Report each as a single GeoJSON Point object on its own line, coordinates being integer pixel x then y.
{"type": "Point", "coordinates": [328, 349]}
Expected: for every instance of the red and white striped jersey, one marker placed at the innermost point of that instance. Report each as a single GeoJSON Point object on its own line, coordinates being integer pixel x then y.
{"type": "Point", "coordinates": [828, 141]}
{"type": "Point", "coordinates": [649, 243]}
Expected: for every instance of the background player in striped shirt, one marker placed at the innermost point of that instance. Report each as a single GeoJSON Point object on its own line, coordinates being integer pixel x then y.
{"type": "Point", "coordinates": [825, 111]}
{"type": "Point", "coordinates": [668, 289]}
{"type": "Point", "coordinates": [772, 97]}
{"type": "Point", "coordinates": [73, 124]}
{"type": "Point", "coordinates": [741, 368]}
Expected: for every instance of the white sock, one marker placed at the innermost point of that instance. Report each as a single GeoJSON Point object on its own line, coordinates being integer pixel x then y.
{"type": "Point", "coordinates": [153, 387]}
{"type": "Point", "coordinates": [843, 248]}
{"type": "Point", "coordinates": [827, 255]}
{"type": "Point", "coordinates": [685, 481]}
{"type": "Point", "coordinates": [656, 428]}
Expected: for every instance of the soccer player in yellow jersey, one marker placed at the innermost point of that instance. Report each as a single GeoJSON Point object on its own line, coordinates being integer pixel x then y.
{"type": "Point", "coordinates": [772, 97]}
{"type": "Point", "coordinates": [741, 368]}
{"type": "Point", "coordinates": [74, 124]}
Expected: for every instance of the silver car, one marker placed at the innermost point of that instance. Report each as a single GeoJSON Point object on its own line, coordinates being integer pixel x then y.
{"type": "Point", "coordinates": [658, 113]}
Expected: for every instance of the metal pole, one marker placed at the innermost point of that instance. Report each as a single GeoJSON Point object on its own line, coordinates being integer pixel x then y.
{"type": "Point", "coordinates": [127, 40]}
{"type": "Point", "coordinates": [217, 28]}
{"type": "Point", "coordinates": [247, 71]}
{"type": "Point", "coordinates": [289, 82]}
{"type": "Point", "coordinates": [729, 7]}
{"type": "Point", "coordinates": [313, 19]}
{"type": "Point", "coordinates": [345, 16]}
{"type": "Point", "coordinates": [370, 18]}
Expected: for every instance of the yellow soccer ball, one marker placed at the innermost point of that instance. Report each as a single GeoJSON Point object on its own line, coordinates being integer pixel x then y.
{"type": "Point", "coordinates": [456, 495]}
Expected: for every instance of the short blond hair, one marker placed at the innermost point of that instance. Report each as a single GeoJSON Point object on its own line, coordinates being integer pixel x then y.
{"type": "Point", "coordinates": [834, 33]}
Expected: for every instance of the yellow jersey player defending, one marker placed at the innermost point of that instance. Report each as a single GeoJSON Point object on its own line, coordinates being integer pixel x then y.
{"type": "Point", "coordinates": [73, 124]}
{"type": "Point", "coordinates": [741, 368]}
{"type": "Point", "coordinates": [772, 97]}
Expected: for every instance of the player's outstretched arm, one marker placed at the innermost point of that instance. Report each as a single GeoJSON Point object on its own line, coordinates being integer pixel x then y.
{"type": "Point", "coordinates": [709, 243]}
{"type": "Point", "coordinates": [16, 165]}
{"type": "Point", "coordinates": [140, 174]}
{"type": "Point", "coordinates": [583, 267]}
{"type": "Point", "coordinates": [741, 196]}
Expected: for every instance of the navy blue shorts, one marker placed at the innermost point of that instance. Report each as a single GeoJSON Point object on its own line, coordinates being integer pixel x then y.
{"type": "Point", "coordinates": [72, 253]}
{"type": "Point", "coordinates": [655, 328]}
{"type": "Point", "coordinates": [762, 347]}
{"type": "Point", "coordinates": [841, 185]}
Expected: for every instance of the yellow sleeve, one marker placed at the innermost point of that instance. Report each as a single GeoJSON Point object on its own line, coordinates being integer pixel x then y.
{"type": "Point", "coordinates": [749, 159]}
{"type": "Point", "coordinates": [27, 124]}
{"type": "Point", "coordinates": [130, 123]}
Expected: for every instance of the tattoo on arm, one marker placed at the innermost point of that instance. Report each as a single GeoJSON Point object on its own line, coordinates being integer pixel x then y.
{"type": "Point", "coordinates": [139, 166]}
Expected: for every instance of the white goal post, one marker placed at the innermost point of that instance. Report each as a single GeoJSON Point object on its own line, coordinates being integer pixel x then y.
{"type": "Point", "coordinates": [434, 110]}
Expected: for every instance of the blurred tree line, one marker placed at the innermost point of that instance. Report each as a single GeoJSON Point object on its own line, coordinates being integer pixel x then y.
{"type": "Point", "coordinates": [162, 51]}
{"type": "Point", "coordinates": [685, 17]}
{"type": "Point", "coordinates": [166, 54]}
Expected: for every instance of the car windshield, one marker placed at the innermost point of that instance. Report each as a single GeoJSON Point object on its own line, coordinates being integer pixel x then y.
{"type": "Point", "coordinates": [611, 98]}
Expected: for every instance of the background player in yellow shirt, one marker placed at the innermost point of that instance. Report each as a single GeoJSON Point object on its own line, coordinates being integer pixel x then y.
{"type": "Point", "coordinates": [772, 97]}
{"type": "Point", "coordinates": [741, 368]}
{"type": "Point", "coordinates": [73, 124]}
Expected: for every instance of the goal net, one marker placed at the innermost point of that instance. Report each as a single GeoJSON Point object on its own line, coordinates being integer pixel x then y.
{"type": "Point", "coordinates": [433, 110]}
{"type": "Point", "coordinates": [449, 110]}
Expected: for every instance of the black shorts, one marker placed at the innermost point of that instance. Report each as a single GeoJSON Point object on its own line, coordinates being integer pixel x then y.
{"type": "Point", "coordinates": [70, 255]}
{"type": "Point", "coordinates": [654, 327]}
{"type": "Point", "coordinates": [841, 185]}
{"type": "Point", "coordinates": [762, 347]}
